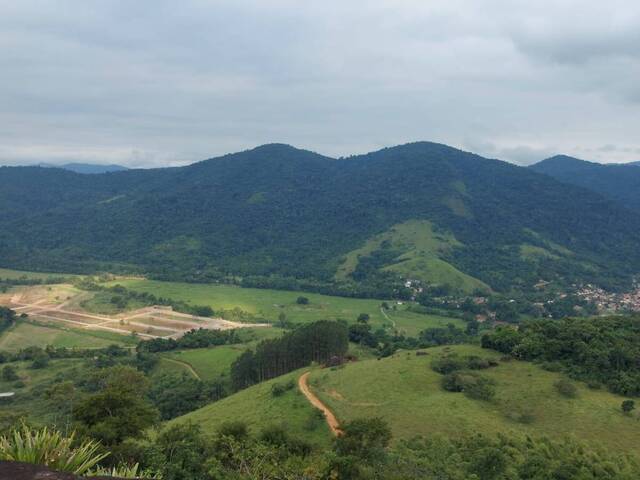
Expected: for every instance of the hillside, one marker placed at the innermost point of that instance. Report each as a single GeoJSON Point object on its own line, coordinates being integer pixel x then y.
{"type": "Point", "coordinates": [407, 393]}
{"type": "Point", "coordinates": [423, 211]}
{"type": "Point", "coordinates": [618, 182]}
{"type": "Point", "coordinates": [86, 168]}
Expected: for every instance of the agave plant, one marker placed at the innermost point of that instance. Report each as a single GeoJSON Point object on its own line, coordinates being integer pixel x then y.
{"type": "Point", "coordinates": [126, 471]}
{"type": "Point", "coordinates": [50, 448]}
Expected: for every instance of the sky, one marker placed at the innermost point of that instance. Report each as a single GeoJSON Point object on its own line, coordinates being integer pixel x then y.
{"type": "Point", "coordinates": [156, 83]}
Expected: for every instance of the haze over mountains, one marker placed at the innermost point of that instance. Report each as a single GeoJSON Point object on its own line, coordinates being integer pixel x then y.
{"type": "Point", "coordinates": [87, 168]}
{"type": "Point", "coordinates": [423, 210]}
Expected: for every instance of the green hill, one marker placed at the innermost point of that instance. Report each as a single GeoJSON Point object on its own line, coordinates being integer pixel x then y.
{"type": "Point", "coordinates": [422, 210]}
{"type": "Point", "coordinates": [407, 393]}
{"type": "Point", "coordinates": [618, 182]}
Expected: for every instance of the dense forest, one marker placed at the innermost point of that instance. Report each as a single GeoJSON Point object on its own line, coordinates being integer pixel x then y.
{"type": "Point", "coordinates": [321, 342]}
{"type": "Point", "coordinates": [599, 350]}
{"type": "Point", "coordinates": [278, 216]}
{"type": "Point", "coordinates": [619, 182]}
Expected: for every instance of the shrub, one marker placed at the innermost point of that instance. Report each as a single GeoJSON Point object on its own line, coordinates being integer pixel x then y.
{"type": "Point", "coordinates": [628, 405]}
{"type": "Point", "coordinates": [479, 388]}
{"type": "Point", "coordinates": [125, 471]}
{"type": "Point", "coordinates": [278, 389]}
{"type": "Point", "coordinates": [9, 374]}
{"type": "Point", "coordinates": [302, 301]}
{"type": "Point", "coordinates": [566, 388]}
{"type": "Point", "coordinates": [447, 364]}
{"type": "Point", "coordinates": [50, 448]}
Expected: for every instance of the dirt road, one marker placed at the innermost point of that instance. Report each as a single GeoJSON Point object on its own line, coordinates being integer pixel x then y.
{"type": "Point", "coordinates": [332, 421]}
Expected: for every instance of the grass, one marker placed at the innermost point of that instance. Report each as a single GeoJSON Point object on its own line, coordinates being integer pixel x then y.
{"type": "Point", "coordinates": [15, 274]}
{"type": "Point", "coordinates": [405, 392]}
{"type": "Point", "coordinates": [421, 259]}
{"type": "Point", "coordinates": [100, 302]}
{"type": "Point", "coordinates": [27, 334]}
{"type": "Point", "coordinates": [259, 408]}
{"type": "Point", "coordinates": [267, 305]}
{"type": "Point", "coordinates": [209, 363]}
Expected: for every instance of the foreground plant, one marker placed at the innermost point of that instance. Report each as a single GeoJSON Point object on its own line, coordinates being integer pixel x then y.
{"type": "Point", "coordinates": [50, 448]}
{"type": "Point", "coordinates": [126, 471]}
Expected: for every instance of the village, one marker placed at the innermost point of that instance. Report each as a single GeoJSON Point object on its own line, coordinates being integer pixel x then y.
{"type": "Point", "coordinates": [608, 302]}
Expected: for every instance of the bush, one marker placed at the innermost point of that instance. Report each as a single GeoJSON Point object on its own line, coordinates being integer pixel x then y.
{"type": "Point", "coordinates": [628, 406]}
{"type": "Point", "coordinates": [9, 374]}
{"type": "Point", "coordinates": [566, 388]}
{"type": "Point", "coordinates": [302, 301]}
{"type": "Point", "coordinates": [278, 389]}
{"type": "Point", "coordinates": [471, 384]}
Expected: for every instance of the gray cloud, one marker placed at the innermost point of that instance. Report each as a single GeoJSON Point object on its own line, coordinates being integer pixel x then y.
{"type": "Point", "coordinates": [151, 83]}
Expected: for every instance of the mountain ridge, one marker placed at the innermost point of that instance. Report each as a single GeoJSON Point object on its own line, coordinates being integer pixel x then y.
{"type": "Point", "coordinates": [280, 212]}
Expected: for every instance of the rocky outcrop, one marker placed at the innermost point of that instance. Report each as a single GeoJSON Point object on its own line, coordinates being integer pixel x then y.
{"type": "Point", "coordinates": [29, 471]}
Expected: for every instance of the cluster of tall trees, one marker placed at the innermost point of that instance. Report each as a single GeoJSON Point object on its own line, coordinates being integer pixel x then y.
{"type": "Point", "coordinates": [322, 342]}
{"type": "Point", "coordinates": [7, 318]}
{"type": "Point", "coordinates": [196, 338]}
{"type": "Point", "coordinates": [601, 350]}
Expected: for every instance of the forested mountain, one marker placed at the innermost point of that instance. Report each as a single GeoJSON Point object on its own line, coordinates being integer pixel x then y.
{"type": "Point", "coordinates": [420, 210]}
{"type": "Point", "coordinates": [87, 168]}
{"type": "Point", "coordinates": [618, 182]}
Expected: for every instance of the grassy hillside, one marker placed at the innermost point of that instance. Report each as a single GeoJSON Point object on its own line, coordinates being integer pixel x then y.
{"type": "Point", "coordinates": [407, 393]}
{"type": "Point", "coordinates": [259, 408]}
{"type": "Point", "coordinates": [417, 254]}
{"type": "Point", "coordinates": [28, 334]}
{"type": "Point", "coordinates": [266, 304]}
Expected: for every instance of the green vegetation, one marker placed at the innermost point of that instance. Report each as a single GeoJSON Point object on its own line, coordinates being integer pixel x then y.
{"type": "Point", "coordinates": [408, 394]}
{"type": "Point", "coordinates": [235, 303]}
{"type": "Point", "coordinates": [599, 349]}
{"type": "Point", "coordinates": [108, 303]}
{"type": "Point", "coordinates": [209, 363]}
{"type": "Point", "coordinates": [258, 408]}
{"type": "Point", "coordinates": [28, 334]}
{"type": "Point", "coordinates": [278, 216]}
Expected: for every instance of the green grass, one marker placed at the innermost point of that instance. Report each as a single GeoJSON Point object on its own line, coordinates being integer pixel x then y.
{"type": "Point", "coordinates": [100, 302]}
{"type": "Point", "coordinates": [27, 334]}
{"type": "Point", "coordinates": [15, 274]}
{"type": "Point", "coordinates": [209, 363]}
{"type": "Point", "coordinates": [259, 408]}
{"type": "Point", "coordinates": [421, 259]}
{"type": "Point", "coordinates": [266, 305]}
{"type": "Point", "coordinates": [407, 393]}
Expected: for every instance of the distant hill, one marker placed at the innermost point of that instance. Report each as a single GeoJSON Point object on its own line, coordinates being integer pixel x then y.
{"type": "Point", "coordinates": [86, 168]}
{"type": "Point", "coordinates": [289, 218]}
{"type": "Point", "coordinates": [618, 182]}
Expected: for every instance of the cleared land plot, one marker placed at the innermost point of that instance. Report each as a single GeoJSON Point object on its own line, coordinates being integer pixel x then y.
{"type": "Point", "coordinates": [265, 304]}
{"type": "Point", "coordinates": [408, 394]}
{"type": "Point", "coordinates": [209, 363]}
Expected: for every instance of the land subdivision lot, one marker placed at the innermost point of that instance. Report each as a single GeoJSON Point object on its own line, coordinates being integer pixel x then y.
{"type": "Point", "coordinates": [60, 305]}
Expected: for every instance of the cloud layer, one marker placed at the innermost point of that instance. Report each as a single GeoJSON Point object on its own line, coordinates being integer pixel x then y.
{"type": "Point", "coordinates": [151, 83]}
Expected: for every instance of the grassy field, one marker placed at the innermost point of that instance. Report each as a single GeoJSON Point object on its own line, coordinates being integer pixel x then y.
{"type": "Point", "coordinates": [259, 408]}
{"type": "Point", "coordinates": [100, 302]}
{"type": "Point", "coordinates": [265, 304]}
{"type": "Point", "coordinates": [209, 363]}
{"type": "Point", "coordinates": [27, 334]}
{"type": "Point", "coordinates": [407, 393]}
{"type": "Point", "coordinates": [13, 274]}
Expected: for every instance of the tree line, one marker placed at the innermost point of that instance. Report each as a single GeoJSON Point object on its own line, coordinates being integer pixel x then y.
{"type": "Point", "coordinates": [322, 342]}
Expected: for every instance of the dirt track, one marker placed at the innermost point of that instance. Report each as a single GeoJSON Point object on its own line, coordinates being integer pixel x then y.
{"type": "Point", "coordinates": [332, 421]}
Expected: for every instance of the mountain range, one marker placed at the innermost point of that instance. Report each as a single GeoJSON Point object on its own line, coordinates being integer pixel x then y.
{"type": "Point", "coordinates": [86, 168]}
{"type": "Point", "coordinates": [277, 215]}
{"type": "Point", "coordinates": [618, 182]}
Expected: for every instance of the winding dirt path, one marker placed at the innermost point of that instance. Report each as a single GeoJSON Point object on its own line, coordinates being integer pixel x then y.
{"type": "Point", "coordinates": [332, 421]}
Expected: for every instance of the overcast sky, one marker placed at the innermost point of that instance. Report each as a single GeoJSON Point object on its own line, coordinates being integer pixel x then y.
{"type": "Point", "coordinates": [153, 83]}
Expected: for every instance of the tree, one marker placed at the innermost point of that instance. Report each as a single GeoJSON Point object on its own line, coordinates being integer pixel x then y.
{"type": "Point", "coordinates": [365, 438]}
{"type": "Point", "coordinates": [185, 452]}
{"type": "Point", "coordinates": [363, 318]}
{"type": "Point", "coordinates": [628, 406]}
{"type": "Point", "coordinates": [302, 301]}
{"type": "Point", "coordinates": [40, 361]}
{"type": "Point", "coordinates": [119, 409]}
{"type": "Point", "coordinates": [9, 374]}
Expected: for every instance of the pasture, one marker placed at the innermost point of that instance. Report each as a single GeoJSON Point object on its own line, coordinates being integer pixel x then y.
{"type": "Point", "coordinates": [268, 305]}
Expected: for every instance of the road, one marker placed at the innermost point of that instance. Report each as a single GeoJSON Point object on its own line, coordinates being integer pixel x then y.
{"type": "Point", "coordinates": [332, 421]}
